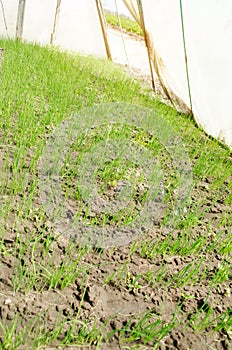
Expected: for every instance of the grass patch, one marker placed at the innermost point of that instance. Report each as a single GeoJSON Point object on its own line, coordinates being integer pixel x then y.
{"type": "Point", "coordinates": [126, 23]}
{"type": "Point", "coordinates": [47, 277]}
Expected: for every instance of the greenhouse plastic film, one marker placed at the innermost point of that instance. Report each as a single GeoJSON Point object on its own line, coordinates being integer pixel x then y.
{"type": "Point", "coordinates": [79, 28]}
{"type": "Point", "coordinates": [193, 57]}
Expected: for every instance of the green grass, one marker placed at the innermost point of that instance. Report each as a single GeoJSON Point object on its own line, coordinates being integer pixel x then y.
{"type": "Point", "coordinates": [149, 329]}
{"type": "Point", "coordinates": [40, 88]}
{"type": "Point", "coordinates": [126, 23]}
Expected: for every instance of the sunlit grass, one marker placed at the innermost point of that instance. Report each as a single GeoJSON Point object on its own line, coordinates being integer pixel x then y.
{"type": "Point", "coordinates": [40, 88]}
{"type": "Point", "coordinates": [126, 23]}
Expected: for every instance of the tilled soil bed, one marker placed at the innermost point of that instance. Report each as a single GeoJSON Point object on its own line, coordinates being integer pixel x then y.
{"type": "Point", "coordinates": [114, 305]}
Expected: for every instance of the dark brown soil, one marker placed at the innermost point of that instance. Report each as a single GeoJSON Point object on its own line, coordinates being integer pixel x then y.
{"type": "Point", "coordinates": [114, 304]}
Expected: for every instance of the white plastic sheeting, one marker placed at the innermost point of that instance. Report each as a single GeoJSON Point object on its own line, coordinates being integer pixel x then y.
{"type": "Point", "coordinates": [74, 25]}
{"type": "Point", "coordinates": [208, 37]}
{"type": "Point", "coordinates": [8, 18]}
{"type": "Point", "coordinates": [79, 27]}
{"type": "Point", "coordinates": [39, 18]}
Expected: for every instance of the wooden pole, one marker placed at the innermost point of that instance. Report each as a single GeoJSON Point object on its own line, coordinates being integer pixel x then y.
{"type": "Point", "coordinates": [55, 21]}
{"type": "Point", "coordinates": [147, 42]}
{"type": "Point", "coordinates": [103, 27]}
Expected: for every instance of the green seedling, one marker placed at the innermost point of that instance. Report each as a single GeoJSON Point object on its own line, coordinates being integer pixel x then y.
{"type": "Point", "coordinates": [41, 88]}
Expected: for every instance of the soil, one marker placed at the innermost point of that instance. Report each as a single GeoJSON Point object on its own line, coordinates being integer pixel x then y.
{"type": "Point", "coordinates": [113, 304]}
